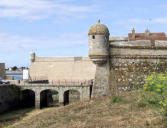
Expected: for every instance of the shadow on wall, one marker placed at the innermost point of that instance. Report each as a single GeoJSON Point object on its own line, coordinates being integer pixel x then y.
{"type": "Point", "coordinates": [27, 98]}
{"type": "Point", "coordinates": [9, 98]}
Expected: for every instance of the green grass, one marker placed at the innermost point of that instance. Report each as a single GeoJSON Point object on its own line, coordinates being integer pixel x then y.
{"type": "Point", "coordinates": [116, 99]}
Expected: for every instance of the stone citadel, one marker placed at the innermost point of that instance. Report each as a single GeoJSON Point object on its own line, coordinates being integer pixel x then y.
{"type": "Point", "coordinates": [114, 64]}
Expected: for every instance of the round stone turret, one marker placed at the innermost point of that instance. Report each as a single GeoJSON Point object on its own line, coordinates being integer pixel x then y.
{"type": "Point", "coordinates": [32, 56]}
{"type": "Point", "coordinates": [98, 43]}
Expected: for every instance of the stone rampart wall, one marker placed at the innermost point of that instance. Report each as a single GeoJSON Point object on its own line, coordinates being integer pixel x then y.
{"type": "Point", "coordinates": [2, 70]}
{"type": "Point", "coordinates": [129, 66]}
{"type": "Point", "coordinates": [9, 97]}
{"type": "Point", "coordinates": [62, 68]}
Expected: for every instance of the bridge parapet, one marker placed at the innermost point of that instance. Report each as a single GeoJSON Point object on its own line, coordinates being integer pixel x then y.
{"type": "Point", "coordinates": [58, 83]}
{"type": "Point", "coordinates": [83, 89]}
{"type": "Point", "coordinates": [51, 85]}
{"type": "Point", "coordinates": [71, 82]}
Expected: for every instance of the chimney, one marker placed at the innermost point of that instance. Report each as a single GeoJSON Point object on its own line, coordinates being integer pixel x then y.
{"type": "Point", "coordinates": [147, 33]}
{"type": "Point", "coordinates": [133, 33]}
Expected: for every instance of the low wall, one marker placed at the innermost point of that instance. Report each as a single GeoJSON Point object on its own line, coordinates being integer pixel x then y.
{"type": "Point", "coordinates": [2, 70]}
{"type": "Point", "coordinates": [9, 97]}
{"type": "Point", "coordinates": [9, 77]}
{"type": "Point", "coordinates": [14, 82]}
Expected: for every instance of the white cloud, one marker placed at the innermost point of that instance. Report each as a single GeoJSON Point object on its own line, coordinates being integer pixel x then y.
{"type": "Point", "coordinates": [159, 20]}
{"type": "Point", "coordinates": [13, 43]}
{"type": "Point", "coordinates": [145, 21]}
{"type": "Point", "coordinates": [40, 9]}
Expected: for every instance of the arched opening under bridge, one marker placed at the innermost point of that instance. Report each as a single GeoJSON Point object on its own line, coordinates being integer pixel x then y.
{"type": "Point", "coordinates": [71, 96]}
{"type": "Point", "coordinates": [27, 98]}
{"type": "Point", "coordinates": [49, 98]}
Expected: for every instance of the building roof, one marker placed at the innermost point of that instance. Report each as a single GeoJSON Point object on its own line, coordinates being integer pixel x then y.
{"type": "Point", "coordinates": [147, 36]}
{"type": "Point", "coordinates": [99, 29]}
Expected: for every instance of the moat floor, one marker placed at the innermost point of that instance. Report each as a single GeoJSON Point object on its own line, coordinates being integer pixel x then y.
{"type": "Point", "coordinates": [96, 113]}
{"type": "Point", "coordinates": [13, 116]}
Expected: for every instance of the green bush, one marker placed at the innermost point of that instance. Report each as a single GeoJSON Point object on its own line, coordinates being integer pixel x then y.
{"type": "Point", "coordinates": [116, 99]}
{"type": "Point", "coordinates": [156, 83]}
{"type": "Point", "coordinates": [8, 127]}
{"type": "Point", "coordinates": [145, 98]}
{"type": "Point", "coordinates": [142, 104]}
{"type": "Point", "coordinates": [156, 86]}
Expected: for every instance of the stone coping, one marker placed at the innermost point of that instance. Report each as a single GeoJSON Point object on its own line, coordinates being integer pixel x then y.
{"type": "Point", "coordinates": [1, 85]}
{"type": "Point", "coordinates": [139, 47]}
{"type": "Point", "coordinates": [117, 38]}
{"type": "Point", "coordinates": [140, 44]}
{"type": "Point", "coordinates": [50, 85]}
{"type": "Point", "coordinates": [138, 57]}
{"type": "Point", "coordinates": [61, 59]}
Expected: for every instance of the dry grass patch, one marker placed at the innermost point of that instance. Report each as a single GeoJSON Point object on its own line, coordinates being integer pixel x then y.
{"type": "Point", "coordinates": [13, 116]}
{"type": "Point", "coordinates": [96, 113]}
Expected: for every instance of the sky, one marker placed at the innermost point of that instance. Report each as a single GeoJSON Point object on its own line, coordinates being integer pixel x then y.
{"type": "Point", "coordinates": [60, 27]}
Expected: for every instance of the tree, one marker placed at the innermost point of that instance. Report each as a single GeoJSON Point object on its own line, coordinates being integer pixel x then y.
{"type": "Point", "coordinates": [14, 68]}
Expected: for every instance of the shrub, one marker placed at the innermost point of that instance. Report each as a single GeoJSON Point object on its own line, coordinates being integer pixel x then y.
{"type": "Point", "coordinates": [156, 86]}
{"type": "Point", "coordinates": [116, 99]}
{"type": "Point", "coordinates": [145, 98]}
{"type": "Point", "coordinates": [156, 83]}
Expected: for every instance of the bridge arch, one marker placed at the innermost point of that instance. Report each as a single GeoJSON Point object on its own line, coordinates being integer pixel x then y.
{"type": "Point", "coordinates": [30, 89]}
{"type": "Point", "coordinates": [49, 98]}
{"type": "Point", "coordinates": [27, 98]}
{"type": "Point", "coordinates": [64, 94]}
{"type": "Point", "coordinates": [71, 95]}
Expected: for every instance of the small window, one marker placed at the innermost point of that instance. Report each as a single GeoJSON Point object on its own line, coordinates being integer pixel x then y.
{"type": "Point", "coordinates": [93, 37]}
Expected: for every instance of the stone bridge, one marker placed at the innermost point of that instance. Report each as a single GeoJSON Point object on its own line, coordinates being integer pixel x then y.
{"type": "Point", "coordinates": [84, 91]}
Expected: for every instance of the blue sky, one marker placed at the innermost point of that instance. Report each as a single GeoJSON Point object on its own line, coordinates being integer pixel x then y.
{"type": "Point", "coordinates": [60, 27]}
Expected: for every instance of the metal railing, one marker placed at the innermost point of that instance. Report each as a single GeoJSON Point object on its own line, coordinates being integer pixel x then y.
{"type": "Point", "coordinates": [59, 82]}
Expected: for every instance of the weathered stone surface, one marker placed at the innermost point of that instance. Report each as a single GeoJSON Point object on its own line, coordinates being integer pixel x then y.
{"type": "Point", "coordinates": [117, 39]}
{"type": "Point", "coordinates": [84, 91]}
{"type": "Point", "coordinates": [98, 29]}
{"type": "Point", "coordinates": [98, 48]}
{"type": "Point", "coordinates": [126, 74]}
{"type": "Point", "coordinates": [160, 43]}
{"type": "Point", "coordinates": [9, 97]}
{"type": "Point", "coordinates": [137, 52]}
{"type": "Point", "coordinates": [102, 80]}
{"type": "Point", "coordinates": [62, 68]}
{"type": "Point", "coordinates": [2, 70]}
{"type": "Point", "coordinates": [132, 43]}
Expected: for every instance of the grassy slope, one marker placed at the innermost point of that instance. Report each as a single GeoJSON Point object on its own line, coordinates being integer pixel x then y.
{"type": "Point", "coordinates": [99, 113]}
